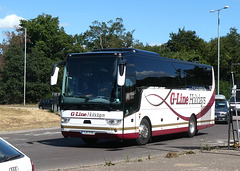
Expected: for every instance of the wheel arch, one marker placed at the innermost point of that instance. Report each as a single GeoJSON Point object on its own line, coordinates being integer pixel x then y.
{"type": "Point", "coordinates": [195, 117]}
{"type": "Point", "coordinates": [190, 133]}
{"type": "Point", "coordinates": [149, 121]}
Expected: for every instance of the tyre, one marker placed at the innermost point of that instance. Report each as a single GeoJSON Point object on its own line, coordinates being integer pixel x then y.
{"type": "Point", "coordinates": [144, 132]}
{"type": "Point", "coordinates": [40, 107]}
{"type": "Point", "coordinates": [192, 126]}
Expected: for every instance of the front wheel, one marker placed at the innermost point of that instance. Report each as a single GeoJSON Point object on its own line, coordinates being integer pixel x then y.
{"type": "Point", "coordinates": [144, 132]}
{"type": "Point", "coordinates": [192, 126]}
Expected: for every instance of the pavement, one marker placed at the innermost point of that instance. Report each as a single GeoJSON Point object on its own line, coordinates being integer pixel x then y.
{"type": "Point", "coordinates": [217, 159]}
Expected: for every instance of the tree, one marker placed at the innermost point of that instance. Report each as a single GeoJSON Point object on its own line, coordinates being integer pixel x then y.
{"type": "Point", "coordinates": [46, 44]}
{"type": "Point", "coordinates": [108, 35]}
{"type": "Point", "coordinates": [45, 35]}
{"type": "Point", "coordinates": [229, 53]}
{"type": "Point", "coordinates": [11, 87]}
{"type": "Point", "coordinates": [185, 41]}
{"type": "Point", "coordinates": [79, 44]}
{"type": "Point", "coordinates": [38, 76]}
{"type": "Point", "coordinates": [186, 45]}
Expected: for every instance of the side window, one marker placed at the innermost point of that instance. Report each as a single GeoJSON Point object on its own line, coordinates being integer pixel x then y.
{"type": "Point", "coordinates": [156, 72]}
{"type": "Point", "coordinates": [130, 93]}
{"type": "Point", "coordinates": [191, 76]}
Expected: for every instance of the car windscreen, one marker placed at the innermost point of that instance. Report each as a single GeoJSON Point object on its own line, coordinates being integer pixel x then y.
{"type": "Point", "coordinates": [220, 104]}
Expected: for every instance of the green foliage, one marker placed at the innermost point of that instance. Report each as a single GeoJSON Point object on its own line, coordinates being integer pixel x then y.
{"type": "Point", "coordinates": [46, 43]}
{"type": "Point", "coordinates": [225, 88]}
{"type": "Point", "coordinates": [230, 53]}
{"type": "Point", "coordinates": [127, 158]}
{"type": "Point", "coordinates": [38, 76]}
{"type": "Point", "coordinates": [44, 34]}
{"type": "Point", "coordinates": [108, 35]}
{"type": "Point", "coordinates": [172, 155]}
{"type": "Point", "coordinates": [139, 159]}
{"type": "Point", "coordinates": [205, 146]}
{"type": "Point", "coordinates": [11, 87]}
{"type": "Point", "coordinates": [79, 44]}
{"type": "Point", "coordinates": [185, 41]}
{"type": "Point", "coordinates": [109, 163]}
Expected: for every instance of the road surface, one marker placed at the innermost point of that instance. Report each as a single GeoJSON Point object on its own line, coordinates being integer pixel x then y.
{"type": "Point", "coordinates": [49, 150]}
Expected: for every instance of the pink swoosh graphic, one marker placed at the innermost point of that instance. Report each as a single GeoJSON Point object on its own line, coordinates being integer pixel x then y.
{"type": "Point", "coordinates": [199, 115]}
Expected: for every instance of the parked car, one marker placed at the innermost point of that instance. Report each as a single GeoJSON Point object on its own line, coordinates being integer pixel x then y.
{"type": "Point", "coordinates": [221, 109]}
{"type": "Point", "coordinates": [45, 104]}
{"type": "Point", "coordinates": [11, 159]}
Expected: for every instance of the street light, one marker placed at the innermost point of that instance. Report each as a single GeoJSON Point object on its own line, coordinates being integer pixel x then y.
{"type": "Point", "coordinates": [218, 10]}
{"type": "Point", "coordinates": [25, 62]}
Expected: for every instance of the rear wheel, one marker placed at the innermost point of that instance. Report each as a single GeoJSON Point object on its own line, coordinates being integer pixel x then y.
{"type": "Point", "coordinates": [192, 126]}
{"type": "Point", "coordinates": [144, 132]}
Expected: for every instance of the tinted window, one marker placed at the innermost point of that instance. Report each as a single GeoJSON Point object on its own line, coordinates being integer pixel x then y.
{"type": "Point", "coordinates": [90, 83]}
{"type": "Point", "coordinates": [195, 77]}
{"type": "Point", "coordinates": [130, 87]}
{"type": "Point", "coordinates": [91, 77]}
{"type": "Point", "coordinates": [152, 72]}
{"type": "Point", "coordinates": [166, 73]}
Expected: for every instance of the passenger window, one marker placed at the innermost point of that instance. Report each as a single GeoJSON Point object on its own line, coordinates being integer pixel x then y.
{"type": "Point", "coordinates": [130, 93]}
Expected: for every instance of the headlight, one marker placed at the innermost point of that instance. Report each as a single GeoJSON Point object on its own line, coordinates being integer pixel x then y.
{"type": "Point", "coordinates": [65, 120]}
{"type": "Point", "coordinates": [113, 121]}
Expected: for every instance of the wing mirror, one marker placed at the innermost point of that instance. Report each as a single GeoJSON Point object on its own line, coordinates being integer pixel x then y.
{"type": "Point", "coordinates": [121, 77]}
{"type": "Point", "coordinates": [55, 70]}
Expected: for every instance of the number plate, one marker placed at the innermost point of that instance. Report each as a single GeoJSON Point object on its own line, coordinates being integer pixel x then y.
{"type": "Point", "coordinates": [88, 133]}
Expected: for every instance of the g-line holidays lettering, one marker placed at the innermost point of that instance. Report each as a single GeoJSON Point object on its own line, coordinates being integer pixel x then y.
{"type": "Point", "coordinates": [88, 114]}
{"type": "Point", "coordinates": [180, 99]}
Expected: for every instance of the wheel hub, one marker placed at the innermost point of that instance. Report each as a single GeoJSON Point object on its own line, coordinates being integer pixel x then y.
{"type": "Point", "coordinates": [143, 131]}
{"type": "Point", "coordinates": [191, 126]}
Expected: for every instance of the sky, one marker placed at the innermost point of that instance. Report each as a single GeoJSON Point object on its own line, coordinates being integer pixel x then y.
{"type": "Point", "coordinates": [152, 20]}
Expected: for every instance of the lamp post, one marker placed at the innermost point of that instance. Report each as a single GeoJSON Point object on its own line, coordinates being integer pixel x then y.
{"type": "Point", "coordinates": [218, 10]}
{"type": "Point", "coordinates": [25, 61]}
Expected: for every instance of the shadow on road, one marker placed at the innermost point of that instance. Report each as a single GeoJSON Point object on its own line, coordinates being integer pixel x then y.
{"type": "Point", "coordinates": [112, 145]}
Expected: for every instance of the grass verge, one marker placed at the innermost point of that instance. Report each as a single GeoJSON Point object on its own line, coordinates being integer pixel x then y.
{"type": "Point", "coordinates": [16, 118]}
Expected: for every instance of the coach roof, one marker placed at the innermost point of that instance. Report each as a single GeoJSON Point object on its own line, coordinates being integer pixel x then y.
{"type": "Point", "coordinates": [130, 51]}
{"type": "Point", "coordinates": [117, 51]}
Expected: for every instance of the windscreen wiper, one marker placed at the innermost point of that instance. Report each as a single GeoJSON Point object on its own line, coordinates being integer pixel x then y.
{"type": "Point", "coordinates": [105, 105]}
{"type": "Point", "coordinates": [8, 158]}
{"type": "Point", "coordinates": [80, 96]}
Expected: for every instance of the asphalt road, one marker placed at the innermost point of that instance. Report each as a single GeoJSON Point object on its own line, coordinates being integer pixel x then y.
{"type": "Point", "coordinates": [49, 150]}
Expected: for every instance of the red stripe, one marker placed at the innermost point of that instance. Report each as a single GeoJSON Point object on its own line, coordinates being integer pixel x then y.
{"type": "Point", "coordinates": [131, 135]}
{"type": "Point", "coordinates": [100, 135]}
{"type": "Point", "coordinates": [169, 131]}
